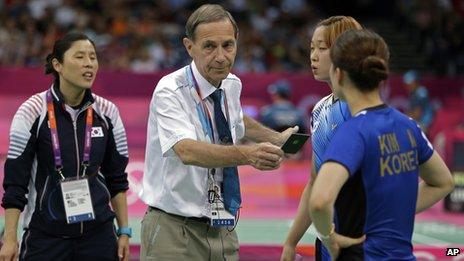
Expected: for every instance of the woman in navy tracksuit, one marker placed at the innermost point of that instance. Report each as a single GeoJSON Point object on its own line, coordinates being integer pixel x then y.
{"type": "Point", "coordinates": [88, 145]}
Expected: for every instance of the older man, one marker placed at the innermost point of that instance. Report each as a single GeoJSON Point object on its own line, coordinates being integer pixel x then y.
{"type": "Point", "coordinates": [191, 182]}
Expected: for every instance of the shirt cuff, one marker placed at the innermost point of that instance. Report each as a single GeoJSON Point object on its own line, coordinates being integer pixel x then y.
{"type": "Point", "coordinates": [165, 147]}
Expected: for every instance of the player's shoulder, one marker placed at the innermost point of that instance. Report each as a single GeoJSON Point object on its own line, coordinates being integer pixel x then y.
{"type": "Point", "coordinates": [399, 116]}
{"type": "Point", "coordinates": [32, 108]}
{"type": "Point", "coordinates": [368, 117]}
{"type": "Point", "coordinates": [355, 123]}
{"type": "Point", "coordinates": [322, 103]}
{"type": "Point", "coordinates": [359, 120]}
{"type": "Point", "coordinates": [105, 107]}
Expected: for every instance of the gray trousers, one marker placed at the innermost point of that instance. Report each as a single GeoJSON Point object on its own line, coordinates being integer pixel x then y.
{"type": "Point", "coordinates": [172, 237]}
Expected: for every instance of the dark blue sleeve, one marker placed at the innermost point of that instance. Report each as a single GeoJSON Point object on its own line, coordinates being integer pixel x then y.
{"type": "Point", "coordinates": [116, 156]}
{"type": "Point", "coordinates": [424, 147]}
{"type": "Point", "coordinates": [346, 148]}
{"type": "Point", "coordinates": [18, 165]}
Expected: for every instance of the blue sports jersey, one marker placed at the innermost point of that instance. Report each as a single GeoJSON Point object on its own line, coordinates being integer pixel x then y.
{"type": "Point", "coordinates": [327, 115]}
{"type": "Point", "coordinates": [386, 147]}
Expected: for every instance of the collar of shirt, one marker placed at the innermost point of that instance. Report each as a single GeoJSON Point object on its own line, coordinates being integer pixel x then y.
{"type": "Point", "coordinates": [73, 112]}
{"type": "Point", "coordinates": [206, 87]}
{"type": "Point", "coordinates": [58, 96]}
{"type": "Point", "coordinates": [334, 98]}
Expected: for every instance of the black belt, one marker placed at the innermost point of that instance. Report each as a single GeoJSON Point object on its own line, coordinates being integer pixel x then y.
{"type": "Point", "coordinates": [204, 220]}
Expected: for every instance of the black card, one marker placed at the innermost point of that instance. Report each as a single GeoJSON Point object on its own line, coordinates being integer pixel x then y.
{"type": "Point", "coordinates": [294, 143]}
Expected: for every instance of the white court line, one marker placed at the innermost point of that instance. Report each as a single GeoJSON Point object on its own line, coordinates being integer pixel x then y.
{"type": "Point", "coordinates": [430, 241]}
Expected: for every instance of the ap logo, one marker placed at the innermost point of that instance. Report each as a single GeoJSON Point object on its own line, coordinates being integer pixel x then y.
{"type": "Point", "coordinates": [452, 251]}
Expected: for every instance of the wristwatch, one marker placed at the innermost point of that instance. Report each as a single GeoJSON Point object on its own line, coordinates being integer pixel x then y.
{"type": "Point", "coordinates": [124, 231]}
{"type": "Point", "coordinates": [326, 237]}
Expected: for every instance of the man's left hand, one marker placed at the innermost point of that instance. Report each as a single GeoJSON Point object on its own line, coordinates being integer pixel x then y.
{"type": "Point", "coordinates": [285, 134]}
{"type": "Point", "coordinates": [123, 248]}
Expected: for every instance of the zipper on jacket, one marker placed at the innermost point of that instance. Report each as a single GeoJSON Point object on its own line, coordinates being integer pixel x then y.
{"type": "Point", "coordinates": [74, 122]}
{"type": "Point", "coordinates": [77, 146]}
{"type": "Point", "coordinates": [76, 140]}
{"type": "Point", "coordinates": [77, 156]}
{"type": "Point", "coordinates": [77, 150]}
{"type": "Point", "coordinates": [43, 193]}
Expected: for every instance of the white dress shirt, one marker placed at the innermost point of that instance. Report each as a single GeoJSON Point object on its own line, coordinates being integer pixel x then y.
{"type": "Point", "coordinates": [176, 113]}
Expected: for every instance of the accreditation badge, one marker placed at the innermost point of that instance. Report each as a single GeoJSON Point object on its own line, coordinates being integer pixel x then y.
{"type": "Point", "coordinates": [77, 200]}
{"type": "Point", "coordinates": [220, 217]}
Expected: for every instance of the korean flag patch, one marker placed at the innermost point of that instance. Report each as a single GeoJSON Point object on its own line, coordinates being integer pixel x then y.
{"type": "Point", "coordinates": [97, 132]}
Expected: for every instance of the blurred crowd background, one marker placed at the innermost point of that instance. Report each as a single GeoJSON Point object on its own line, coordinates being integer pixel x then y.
{"type": "Point", "coordinates": [145, 36]}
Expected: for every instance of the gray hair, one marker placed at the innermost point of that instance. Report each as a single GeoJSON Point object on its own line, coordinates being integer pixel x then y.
{"type": "Point", "coordinates": [208, 13]}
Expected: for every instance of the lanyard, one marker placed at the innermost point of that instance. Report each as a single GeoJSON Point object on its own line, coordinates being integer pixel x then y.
{"type": "Point", "coordinates": [205, 109]}
{"type": "Point", "coordinates": [56, 142]}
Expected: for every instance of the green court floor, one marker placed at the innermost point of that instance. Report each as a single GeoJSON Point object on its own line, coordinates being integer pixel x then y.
{"type": "Point", "coordinates": [273, 232]}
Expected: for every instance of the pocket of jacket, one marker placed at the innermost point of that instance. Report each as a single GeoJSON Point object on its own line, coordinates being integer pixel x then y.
{"type": "Point", "coordinates": [99, 193]}
{"type": "Point", "coordinates": [51, 205]}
